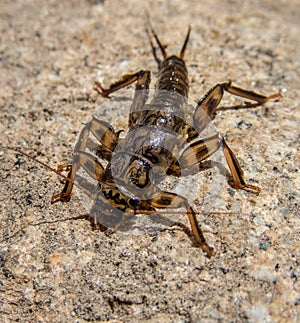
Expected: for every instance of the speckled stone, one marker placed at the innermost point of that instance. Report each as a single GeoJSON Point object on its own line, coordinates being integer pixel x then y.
{"type": "Point", "coordinates": [55, 268]}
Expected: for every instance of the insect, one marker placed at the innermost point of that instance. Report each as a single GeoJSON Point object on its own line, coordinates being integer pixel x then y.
{"type": "Point", "coordinates": [157, 129]}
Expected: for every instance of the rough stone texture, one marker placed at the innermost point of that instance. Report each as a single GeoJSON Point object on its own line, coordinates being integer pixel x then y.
{"type": "Point", "coordinates": [54, 269]}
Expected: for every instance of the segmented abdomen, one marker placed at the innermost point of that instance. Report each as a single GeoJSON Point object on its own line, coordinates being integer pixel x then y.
{"type": "Point", "coordinates": [167, 108]}
{"type": "Point", "coordinates": [173, 76]}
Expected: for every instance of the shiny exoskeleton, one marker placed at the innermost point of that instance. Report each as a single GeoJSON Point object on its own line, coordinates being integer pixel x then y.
{"type": "Point", "coordinates": [149, 152]}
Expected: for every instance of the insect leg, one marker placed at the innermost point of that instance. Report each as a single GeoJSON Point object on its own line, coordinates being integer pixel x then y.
{"type": "Point", "coordinates": [108, 139]}
{"type": "Point", "coordinates": [63, 168]}
{"type": "Point", "coordinates": [125, 81]}
{"type": "Point", "coordinates": [196, 154]}
{"type": "Point", "coordinates": [140, 97]}
{"type": "Point", "coordinates": [171, 200]}
{"type": "Point", "coordinates": [88, 163]}
{"type": "Point", "coordinates": [208, 105]}
{"type": "Point", "coordinates": [237, 172]}
{"type": "Point", "coordinates": [259, 98]}
{"type": "Point", "coordinates": [141, 94]}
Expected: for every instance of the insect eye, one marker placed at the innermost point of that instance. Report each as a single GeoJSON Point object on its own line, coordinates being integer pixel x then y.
{"type": "Point", "coordinates": [133, 202]}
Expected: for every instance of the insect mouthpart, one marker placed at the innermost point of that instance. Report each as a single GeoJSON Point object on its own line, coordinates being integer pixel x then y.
{"type": "Point", "coordinates": [133, 174]}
